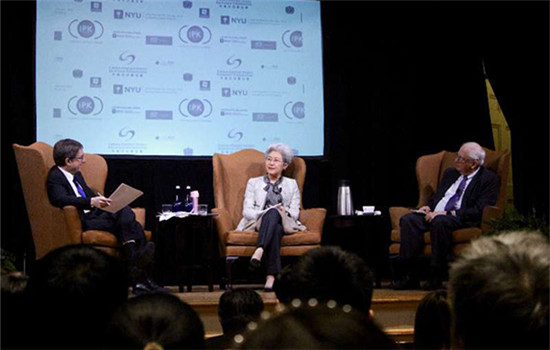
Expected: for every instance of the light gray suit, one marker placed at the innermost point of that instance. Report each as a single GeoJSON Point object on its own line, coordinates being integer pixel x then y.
{"type": "Point", "coordinates": [255, 196]}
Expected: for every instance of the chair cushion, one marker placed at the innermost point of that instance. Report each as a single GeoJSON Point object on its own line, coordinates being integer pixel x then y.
{"type": "Point", "coordinates": [249, 238]}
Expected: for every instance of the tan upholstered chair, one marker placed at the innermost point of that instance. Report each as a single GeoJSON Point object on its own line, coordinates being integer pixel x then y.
{"type": "Point", "coordinates": [53, 227]}
{"type": "Point", "coordinates": [231, 173]}
{"type": "Point", "coordinates": [429, 171]}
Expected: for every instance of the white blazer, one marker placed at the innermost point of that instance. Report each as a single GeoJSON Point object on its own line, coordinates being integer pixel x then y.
{"type": "Point", "coordinates": [255, 196]}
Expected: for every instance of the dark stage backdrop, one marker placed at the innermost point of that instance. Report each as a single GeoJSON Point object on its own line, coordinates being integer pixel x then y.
{"type": "Point", "coordinates": [401, 80]}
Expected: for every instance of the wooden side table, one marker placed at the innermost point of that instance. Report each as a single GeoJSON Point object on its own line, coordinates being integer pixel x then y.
{"type": "Point", "coordinates": [363, 235]}
{"type": "Point", "coordinates": [185, 245]}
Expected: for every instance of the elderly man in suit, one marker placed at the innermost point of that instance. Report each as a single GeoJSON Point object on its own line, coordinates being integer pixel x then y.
{"type": "Point", "coordinates": [66, 186]}
{"type": "Point", "coordinates": [458, 202]}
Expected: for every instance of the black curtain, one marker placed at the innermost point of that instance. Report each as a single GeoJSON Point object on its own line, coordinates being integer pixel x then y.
{"type": "Point", "coordinates": [516, 61]}
{"type": "Point", "coordinates": [402, 79]}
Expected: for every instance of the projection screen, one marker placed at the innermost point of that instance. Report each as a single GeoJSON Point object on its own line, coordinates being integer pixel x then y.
{"type": "Point", "coordinates": [180, 78]}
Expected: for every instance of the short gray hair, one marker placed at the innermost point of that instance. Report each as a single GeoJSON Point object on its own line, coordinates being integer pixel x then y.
{"type": "Point", "coordinates": [283, 149]}
{"type": "Point", "coordinates": [475, 151]}
{"type": "Point", "coordinates": [498, 290]}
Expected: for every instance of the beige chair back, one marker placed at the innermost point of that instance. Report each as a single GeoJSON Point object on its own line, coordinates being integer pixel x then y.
{"type": "Point", "coordinates": [232, 171]}
{"type": "Point", "coordinates": [48, 225]}
{"type": "Point", "coordinates": [431, 168]}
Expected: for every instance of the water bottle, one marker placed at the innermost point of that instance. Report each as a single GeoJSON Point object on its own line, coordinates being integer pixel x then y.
{"type": "Point", "coordinates": [188, 201]}
{"type": "Point", "coordinates": [345, 202]}
{"type": "Point", "coordinates": [177, 203]}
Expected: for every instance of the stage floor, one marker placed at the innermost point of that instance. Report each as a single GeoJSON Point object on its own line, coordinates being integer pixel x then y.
{"type": "Point", "coordinates": [393, 310]}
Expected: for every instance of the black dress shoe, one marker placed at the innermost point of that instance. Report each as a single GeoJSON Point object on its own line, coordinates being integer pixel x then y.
{"type": "Point", "coordinates": [406, 284]}
{"type": "Point", "coordinates": [141, 288]}
{"type": "Point", "coordinates": [155, 287]}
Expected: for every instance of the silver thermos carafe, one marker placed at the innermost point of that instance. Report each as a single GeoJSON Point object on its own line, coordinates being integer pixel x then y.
{"type": "Point", "coordinates": [345, 203]}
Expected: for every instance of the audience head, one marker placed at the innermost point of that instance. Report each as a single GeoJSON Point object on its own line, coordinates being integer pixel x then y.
{"type": "Point", "coordinates": [66, 148]}
{"type": "Point", "coordinates": [328, 273]}
{"type": "Point", "coordinates": [498, 291]}
{"type": "Point", "coordinates": [432, 323]}
{"type": "Point", "coordinates": [155, 322]}
{"type": "Point", "coordinates": [238, 307]}
{"type": "Point", "coordinates": [74, 290]}
{"type": "Point", "coordinates": [314, 325]}
{"type": "Point", "coordinates": [14, 283]}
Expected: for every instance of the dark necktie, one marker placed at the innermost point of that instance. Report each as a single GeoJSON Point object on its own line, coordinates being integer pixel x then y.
{"type": "Point", "coordinates": [454, 199]}
{"type": "Point", "coordinates": [79, 188]}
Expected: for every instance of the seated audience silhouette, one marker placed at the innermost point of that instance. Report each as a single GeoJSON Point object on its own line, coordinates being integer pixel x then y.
{"type": "Point", "coordinates": [236, 309]}
{"type": "Point", "coordinates": [499, 295]}
{"type": "Point", "coordinates": [432, 322]}
{"type": "Point", "coordinates": [314, 325]}
{"type": "Point", "coordinates": [14, 309]}
{"type": "Point", "coordinates": [155, 322]}
{"type": "Point", "coordinates": [72, 292]}
{"type": "Point", "coordinates": [328, 273]}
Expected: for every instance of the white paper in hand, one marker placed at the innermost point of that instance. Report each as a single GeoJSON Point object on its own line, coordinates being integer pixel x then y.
{"type": "Point", "coordinates": [122, 196]}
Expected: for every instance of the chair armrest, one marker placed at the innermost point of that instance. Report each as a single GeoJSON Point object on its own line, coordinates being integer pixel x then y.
{"type": "Point", "coordinates": [223, 223]}
{"type": "Point", "coordinates": [395, 214]}
{"type": "Point", "coordinates": [140, 216]}
{"type": "Point", "coordinates": [489, 212]}
{"type": "Point", "coordinates": [313, 219]}
{"type": "Point", "coordinates": [74, 223]}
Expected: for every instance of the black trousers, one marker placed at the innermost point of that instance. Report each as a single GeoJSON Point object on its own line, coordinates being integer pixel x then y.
{"type": "Point", "coordinates": [413, 226]}
{"type": "Point", "coordinates": [269, 238]}
{"type": "Point", "coordinates": [122, 224]}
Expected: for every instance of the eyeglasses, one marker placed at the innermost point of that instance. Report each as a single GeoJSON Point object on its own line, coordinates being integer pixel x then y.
{"type": "Point", "coordinates": [462, 159]}
{"type": "Point", "coordinates": [274, 160]}
{"type": "Point", "coordinates": [81, 158]}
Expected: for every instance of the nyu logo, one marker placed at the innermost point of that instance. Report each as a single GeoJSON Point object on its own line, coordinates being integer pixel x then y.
{"type": "Point", "coordinates": [126, 57]}
{"type": "Point", "coordinates": [195, 34]}
{"type": "Point", "coordinates": [234, 62]}
{"type": "Point", "coordinates": [126, 133]}
{"type": "Point", "coordinates": [120, 14]}
{"type": "Point", "coordinates": [292, 38]}
{"type": "Point", "coordinates": [195, 108]}
{"type": "Point", "coordinates": [187, 4]}
{"type": "Point", "coordinates": [226, 20]}
{"type": "Point", "coordinates": [235, 135]}
{"type": "Point", "coordinates": [297, 110]}
{"type": "Point", "coordinates": [289, 10]}
{"type": "Point", "coordinates": [227, 92]}
{"type": "Point", "coordinates": [95, 6]}
{"type": "Point", "coordinates": [204, 13]}
{"type": "Point", "coordinates": [85, 29]}
{"type": "Point", "coordinates": [85, 105]}
{"type": "Point", "coordinates": [121, 89]}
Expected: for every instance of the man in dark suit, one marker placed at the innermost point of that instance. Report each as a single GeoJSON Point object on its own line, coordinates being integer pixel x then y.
{"type": "Point", "coordinates": [457, 203]}
{"type": "Point", "coordinates": [66, 186]}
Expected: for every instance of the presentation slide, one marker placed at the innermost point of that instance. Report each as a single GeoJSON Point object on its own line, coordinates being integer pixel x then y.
{"type": "Point", "coordinates": [180, 78]}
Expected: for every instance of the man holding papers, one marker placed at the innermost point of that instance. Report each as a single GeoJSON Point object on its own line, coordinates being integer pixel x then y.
{"type": "Point", "coordinates": [66, 186]}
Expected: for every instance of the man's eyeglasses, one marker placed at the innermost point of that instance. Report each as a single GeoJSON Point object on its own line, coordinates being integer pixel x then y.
{"type": "Point", "coordinates": [462, 159]}
{"type": "Point", "coordinates": [81, 158]}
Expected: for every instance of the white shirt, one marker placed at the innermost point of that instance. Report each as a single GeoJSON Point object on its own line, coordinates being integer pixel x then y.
{"type": "Point", "coordinates": [452, 190]}
{"type": "Point", "coordinates": [70, 178]}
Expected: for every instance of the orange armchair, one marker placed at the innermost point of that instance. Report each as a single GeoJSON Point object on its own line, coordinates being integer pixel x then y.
{"type": "Point", "coordinates": [53, 227]}
{"type": "Point", "coordinates": [429, 171]}
{"type": "Point", "coordinates": [231, 173]}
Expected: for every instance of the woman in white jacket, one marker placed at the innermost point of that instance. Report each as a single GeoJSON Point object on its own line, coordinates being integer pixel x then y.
{"type": "Point", "coordinates": [267, 199]}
